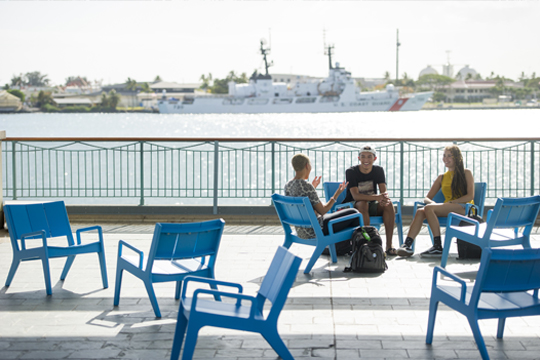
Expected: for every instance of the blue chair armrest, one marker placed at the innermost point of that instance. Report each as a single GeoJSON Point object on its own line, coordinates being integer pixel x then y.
{"type": "Point", "coordinates": [457, 279]}
{"type": "Point", "coordinates": [122, 243]}
{"type": "Point", "coordinates": [96, 227]}
{"type": "Point", "coordinates": [32, 234]}
{"type": "Point", "coordinates": [452, 216]}
{"type": "Point", "coordinates": [344, 218]}
{"type": "Point", "coordinates": [237, 296]}
{"type": "Point", "coordinates": [209, 281]}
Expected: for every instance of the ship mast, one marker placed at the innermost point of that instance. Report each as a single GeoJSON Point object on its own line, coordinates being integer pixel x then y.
{"type": "Point", "coordinates": [397, 55]}
{"type": "Point", "coordinates": [265, 52]}
{"type": "Point", "coordinates": [329, 53]}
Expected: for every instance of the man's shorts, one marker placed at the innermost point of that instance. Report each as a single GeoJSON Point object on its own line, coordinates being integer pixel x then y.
{"type": "Point", "coordinates": [372, 207]}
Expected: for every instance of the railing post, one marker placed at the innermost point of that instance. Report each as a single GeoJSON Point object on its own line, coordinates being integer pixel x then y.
{"type": "Point", "coordinates": [2, 137]}
{"type": "Point", "coordinates": [401, 172]}
{"type": "Point", "coordinates": [273, 168]}
{"type": "Point", "coordinates": [532, 168]}
{"type": "Point", "coordinates": [141, 160]}
{"type": "Point", "coordinates": [216, 176]}
{"type": "Point", "coordinates": [14, 169]}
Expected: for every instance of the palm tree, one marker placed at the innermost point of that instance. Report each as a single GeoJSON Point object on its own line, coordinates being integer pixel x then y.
{"type": "Point", "coordinates": [157, 79]}
{"type": "Point", "coordinates": [114, 98]}
{"type": "Point", "coordinates": [145, 87]}
{"type": "Point", "coordinates": [131, 84]}
{"type": "Point", "coordinates": [386, 76]}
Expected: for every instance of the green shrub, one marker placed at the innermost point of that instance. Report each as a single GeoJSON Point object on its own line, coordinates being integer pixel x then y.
{"type": "Point", "coordinates": [50, 108]}
{"type": "Point", "coordinates": [17, 93]}
{"type": "Point", "coordinates": [76, 109]}
{"type": "Point", "coordinates": [99, 108]}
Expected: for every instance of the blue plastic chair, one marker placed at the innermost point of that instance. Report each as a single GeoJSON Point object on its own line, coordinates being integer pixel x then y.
{"type": "Point", "coordinates": [330, 188]}
{"type": "Point", "coordinates": [41, 221]}
{"type": "Point", "coordinates": [246, 313]}
{"type": "Point", "coordinates": [501, 290]}
{"type": "Point", "coordinates": [507, 217]}
{"type": "Point", "coordinates": [298, 212]}
{"type": "Point", "coordinates": [177, 250]}
{"type": "Point", "coordinates": [479, 200]}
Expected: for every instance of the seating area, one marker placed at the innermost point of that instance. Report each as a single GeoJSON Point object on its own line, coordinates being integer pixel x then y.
{"type": "Point", "coordinates": [322, 313]}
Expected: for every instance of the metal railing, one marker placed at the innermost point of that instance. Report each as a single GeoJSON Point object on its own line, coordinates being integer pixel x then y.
{"type": "Point", "coordinates": [247, 168]}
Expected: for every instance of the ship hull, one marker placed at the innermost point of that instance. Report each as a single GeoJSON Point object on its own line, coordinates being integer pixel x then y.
{"type": "Point", "coordinates": [215, 105]}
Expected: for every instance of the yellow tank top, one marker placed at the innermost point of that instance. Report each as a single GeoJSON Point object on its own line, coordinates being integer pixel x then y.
{"type": "Point", "coordinates": [446, 187]}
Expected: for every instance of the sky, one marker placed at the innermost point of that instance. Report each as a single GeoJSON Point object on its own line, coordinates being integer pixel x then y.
{"type": "Point", "coordinates": [178, 40]}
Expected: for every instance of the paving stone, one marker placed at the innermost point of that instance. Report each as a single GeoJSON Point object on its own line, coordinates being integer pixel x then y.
{"type": "Point", "coordinates": [329, 314]}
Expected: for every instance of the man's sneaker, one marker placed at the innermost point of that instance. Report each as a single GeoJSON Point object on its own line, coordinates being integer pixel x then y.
{"type": "Point", "coordinates": [434, 252]}
{"type": "Point", "coordinates": [406, 248]}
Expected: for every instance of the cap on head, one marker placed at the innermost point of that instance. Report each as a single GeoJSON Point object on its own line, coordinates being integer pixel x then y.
{"type": "Point", "coordinates": [369, 149]}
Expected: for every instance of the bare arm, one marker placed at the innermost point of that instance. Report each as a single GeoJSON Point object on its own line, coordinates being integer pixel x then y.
{"type": "Point", "coordinates": [324, 208]}
{"type": "Point", "coordinates": [434, 190]}
{"type": "Point", "coordinates": [363, 197]}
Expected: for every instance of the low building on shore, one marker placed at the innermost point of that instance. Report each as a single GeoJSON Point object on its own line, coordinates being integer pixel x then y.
{"type": "Point", "coordinates": [9, 103]}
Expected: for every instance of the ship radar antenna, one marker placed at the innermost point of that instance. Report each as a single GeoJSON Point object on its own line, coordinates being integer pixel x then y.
{"type": "Point", "coordinates": [265, 52]}
{"type": "Point", "coordinates": [328, 51]}
{"type": "Point", "coordinates": [398, 44]}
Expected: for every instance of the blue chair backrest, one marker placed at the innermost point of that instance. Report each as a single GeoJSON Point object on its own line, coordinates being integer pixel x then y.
{"type": "Point", "coordinates": [278, 280]}
{"type": "Point", "coordinates": [330, 188]}
{"type": "Point", "coordinates": [479, 196]}
{"type": "Point", "coordinates": [503, 270]}
{"type": "Point", "coordinates": [50, 217]}
{"type": "Point", "coordinates": [515, 212]}
{"type": "Point", "coordinates": [188, 240]}
{"type": "Point", "coordinates": [296, 211]}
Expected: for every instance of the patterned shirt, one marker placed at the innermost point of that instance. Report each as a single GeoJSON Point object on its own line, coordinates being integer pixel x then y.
{"type": "Point", "coordinates": [301, 188]}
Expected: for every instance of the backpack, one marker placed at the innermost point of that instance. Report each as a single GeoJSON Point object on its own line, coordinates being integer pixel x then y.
{"type": "Point", "coordinates": [467, 250]}
{"type": "Point", "coordinates": [342, 248]}
{"type": "Point", "coordinates": [368, 254]}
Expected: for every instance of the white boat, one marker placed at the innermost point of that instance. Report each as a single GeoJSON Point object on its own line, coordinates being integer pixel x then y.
{"type": "Point", "coordinates": [337, 93]}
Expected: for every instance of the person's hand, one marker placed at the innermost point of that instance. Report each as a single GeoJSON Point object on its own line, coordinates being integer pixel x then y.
{"type": "Point", "coordinates": [384, 199]}
{"type": "Point", "coordinates": [316, 181]}
{"type": "Point", "coordinates": [340, 189]}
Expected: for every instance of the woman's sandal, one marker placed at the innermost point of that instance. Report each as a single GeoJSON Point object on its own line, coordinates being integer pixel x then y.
{"type": "Point", "coordinates": [391, 252]}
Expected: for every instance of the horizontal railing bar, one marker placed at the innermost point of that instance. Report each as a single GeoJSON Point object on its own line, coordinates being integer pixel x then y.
{"type": "Point", "coordinates": [229, 139]}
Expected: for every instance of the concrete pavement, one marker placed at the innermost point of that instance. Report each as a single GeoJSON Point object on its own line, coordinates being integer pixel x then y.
{"type": "Point", "coordinates": [329, 314]}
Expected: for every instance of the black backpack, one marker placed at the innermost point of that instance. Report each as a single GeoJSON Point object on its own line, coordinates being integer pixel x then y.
{"type": "Point", "coordinates": [368, 254]}
{"type": "Point", "coordinates": [467, 250]}
{"type": "Point", "coordinates": [342, 248]}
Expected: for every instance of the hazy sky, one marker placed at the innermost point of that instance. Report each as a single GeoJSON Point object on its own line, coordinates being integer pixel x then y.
{"type": "Point", "coordinates": [180, 40]}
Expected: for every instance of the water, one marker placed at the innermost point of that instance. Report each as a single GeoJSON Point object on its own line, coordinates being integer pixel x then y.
{"type": "Point", "coordinates": [451, 124]}
{"type": "Point", "coordinates": [418, 124]}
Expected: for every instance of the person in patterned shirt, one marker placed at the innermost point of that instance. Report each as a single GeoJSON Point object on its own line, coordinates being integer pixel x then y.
{"type": "Point", "coordinates": [300, 187]}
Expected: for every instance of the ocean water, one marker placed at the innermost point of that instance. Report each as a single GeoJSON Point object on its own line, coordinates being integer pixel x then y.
{"type": "Point", "coordinates": [450, 124]}
{"type": "Point", "coordinates": [503, 123]}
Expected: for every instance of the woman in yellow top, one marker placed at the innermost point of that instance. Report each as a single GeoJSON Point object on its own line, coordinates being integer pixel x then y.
{"type": "Point", "coordinates": [457, 186]}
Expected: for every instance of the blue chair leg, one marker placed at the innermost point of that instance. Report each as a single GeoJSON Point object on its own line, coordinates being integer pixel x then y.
{"type": "Point", "coordinates": [399, 225]}
{"type": "Point", "coordinates": [179, 332]}
{"type": "Point", "coordinates": [178, 290]}
{"type": "Point", "coordinates": [333, 252]}
{"type": "Point", "coordinates": [103, 266]}
{"type": "Point", "coordinates": [152, 297]}
{"type": "Point", "coordinates": [500, 328]}
{"type": "Point", "coordinates": [316, 254]}
{"type": "Point", "coordinates": [47, 275]}
{"type": "Point", "coordinates": [478, 338]}
{"type": "Point", "coordinates": [446, 249]}
{"type": "Point", "coordinates": [191, 341]}
{"type": "Point", "coordinates": [273, 338]}
{"type": "Point", "coordinates": [118, 285]}
{"type": "Point", "coordinates": [67, 266]}
{"type": "Point", "coordinates": [433, 305]}
{"type": "Point", "coordinates": [12, 270]}
{"type": "Point", "coordinates": [287, 244]}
